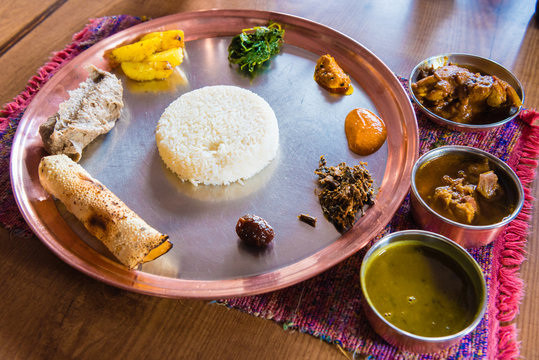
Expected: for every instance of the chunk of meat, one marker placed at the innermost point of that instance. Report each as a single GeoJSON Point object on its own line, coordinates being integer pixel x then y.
{"type": "Point", "coordinates": [91, 110]}
{"type": "Point", "coordinates": [422, 87]}
{"type": "Point", "coordinates": [488, 184]}
{"type": "Point", "coordinates": [466, 209]}
{"type": "Point", "coordinates": [458, 185]}
{"type": "Point", "coordinates": [479, 168]}
{"type": "Point", "coordinates": [497, 95]}
{"type": "Point", "coordinates": [458, 198]}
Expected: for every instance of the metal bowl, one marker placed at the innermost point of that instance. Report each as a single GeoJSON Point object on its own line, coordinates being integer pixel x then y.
{"type": "Point", "coordinates": [406, 340]}
{"type": "Point", "coordinates": [465, 235]}
{"type": "Point", "coordinates": [485, 66]}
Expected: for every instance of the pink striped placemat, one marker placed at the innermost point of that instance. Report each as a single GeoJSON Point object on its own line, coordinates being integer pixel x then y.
{"type": "Point", "coordinates": [327, 306]}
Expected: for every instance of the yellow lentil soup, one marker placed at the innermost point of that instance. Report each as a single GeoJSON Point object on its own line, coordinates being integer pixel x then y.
{"type": "Point", "coordinates": [420, 289]}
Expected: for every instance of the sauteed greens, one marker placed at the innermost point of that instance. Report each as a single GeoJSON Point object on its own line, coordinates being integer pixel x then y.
{"type": "Point", "coordinates": [255, 46]}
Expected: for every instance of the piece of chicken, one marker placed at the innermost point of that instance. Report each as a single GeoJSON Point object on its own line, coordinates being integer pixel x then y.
{"type": "Point", "coordinates": [458, 198]}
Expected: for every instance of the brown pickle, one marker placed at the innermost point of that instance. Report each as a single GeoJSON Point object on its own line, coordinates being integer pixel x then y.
{"type": "Point", "coordinates": [308, 219]}
{"type": "Point", "coordinates": [254, 230]}
{"type": "Point", "coordinates": [329, 75]}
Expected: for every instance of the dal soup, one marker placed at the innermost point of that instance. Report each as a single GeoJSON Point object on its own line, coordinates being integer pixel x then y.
{"type": "Point", "coordinates": [420, 289]}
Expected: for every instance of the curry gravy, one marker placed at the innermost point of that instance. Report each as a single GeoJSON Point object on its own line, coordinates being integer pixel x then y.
{"type": "Point", "coordinates": [421, 290]}
{"type": "Point", "coordinates": [490, 211]}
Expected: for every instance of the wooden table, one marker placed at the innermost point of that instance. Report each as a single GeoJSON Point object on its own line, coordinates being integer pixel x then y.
{"type": "Point", "coordinates": [50, 311]}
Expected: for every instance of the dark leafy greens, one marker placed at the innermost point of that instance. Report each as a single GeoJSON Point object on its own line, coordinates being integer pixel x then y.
{"type": "Point", "coordinates": [255, 46]}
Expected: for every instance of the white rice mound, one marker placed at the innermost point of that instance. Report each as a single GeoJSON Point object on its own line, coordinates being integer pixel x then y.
{"type": "Point", "coordinates": [217, 135]}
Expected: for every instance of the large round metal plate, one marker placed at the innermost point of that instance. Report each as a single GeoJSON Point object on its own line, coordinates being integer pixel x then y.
{"type": "Point", "coordinates": [207, 260]}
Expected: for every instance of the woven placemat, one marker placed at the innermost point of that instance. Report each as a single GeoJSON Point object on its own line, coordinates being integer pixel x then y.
{"type": "Point", "coordinates": [328, 306]}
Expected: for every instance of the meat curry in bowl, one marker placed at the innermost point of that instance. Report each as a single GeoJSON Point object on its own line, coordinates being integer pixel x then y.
{"type": "Point", "coordinates": [466, 92]}
{"type": "Point", "coordinates": [464, 193]}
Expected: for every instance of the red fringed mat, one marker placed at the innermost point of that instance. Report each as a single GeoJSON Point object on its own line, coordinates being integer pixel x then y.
{"type": "Point", "coordinates": [327, 306]}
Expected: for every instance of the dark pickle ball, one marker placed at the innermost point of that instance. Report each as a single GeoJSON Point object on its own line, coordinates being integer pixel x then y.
{"type": "Point", "coordinates": [254, 230]}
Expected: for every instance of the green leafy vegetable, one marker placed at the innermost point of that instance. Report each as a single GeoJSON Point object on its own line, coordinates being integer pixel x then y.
{"type": "Point", "coordinates": [255, 46]}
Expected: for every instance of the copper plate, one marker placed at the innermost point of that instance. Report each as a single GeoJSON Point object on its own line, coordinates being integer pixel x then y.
{"type": "Point", "coordinates": [207, 260]}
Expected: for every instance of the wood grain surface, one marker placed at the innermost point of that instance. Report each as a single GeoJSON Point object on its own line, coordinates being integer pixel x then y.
{"type": "Point", "coordinates": [50, 311]}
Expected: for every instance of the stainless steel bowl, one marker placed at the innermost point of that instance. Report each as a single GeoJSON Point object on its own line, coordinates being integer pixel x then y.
{"type": "Point", "coordinates": [403, 339]}
{"type": "Point", "coordinates": [465, 235]}
{"type": "Point", "coordinates": [482, 64]}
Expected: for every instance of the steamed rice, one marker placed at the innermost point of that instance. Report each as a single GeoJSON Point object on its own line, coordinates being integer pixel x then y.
{"type": "Point", "coordinates": [217, 135]}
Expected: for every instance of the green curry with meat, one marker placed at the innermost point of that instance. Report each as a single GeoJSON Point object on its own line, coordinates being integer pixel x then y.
{"type": "Point", "coordinates": [465, 189]}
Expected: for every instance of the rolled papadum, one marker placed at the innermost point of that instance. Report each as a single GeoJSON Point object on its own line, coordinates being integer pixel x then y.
{"type": "Point", "coordinates": [104, 215]}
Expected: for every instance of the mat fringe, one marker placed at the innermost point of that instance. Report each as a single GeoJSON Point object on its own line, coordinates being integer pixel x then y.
{"type": "Point", "coordinates": [513, 250]}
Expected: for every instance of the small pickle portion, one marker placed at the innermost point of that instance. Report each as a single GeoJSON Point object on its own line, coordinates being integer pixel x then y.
{"type": "Point", "coordinates": [153, 57]}
{"type": "Point", "coordinates": [329, 75]}
{"type": "Point", "coordinates": [254, 231]}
